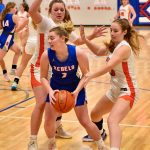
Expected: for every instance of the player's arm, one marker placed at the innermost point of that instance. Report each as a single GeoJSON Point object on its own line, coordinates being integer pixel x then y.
{"type": "Point", "coordinates": [44, 67]}
{"type": "Point", "coordinates": [97, 32]}
{"type": "Point", "coordinates": [120, 55]}
{"type": "Point", "coordinates": [84, 67]}
{"type": "Point", "coordinates": [34, 11]}
{"type": "Point", "coordinates": [20, 23]}
{"type": "Point", "coordinates": [133, 14]}
{"type": "Point", "coordinates": [97, 50]}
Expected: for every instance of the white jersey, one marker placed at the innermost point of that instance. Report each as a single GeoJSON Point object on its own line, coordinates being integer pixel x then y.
{"type": "Point", "coordinates": [124, 12]}
{"type": "Point", "coordinates": [123, 74]}
{"type": "Point", "coordinates": [43, 29]}
{"type": "Point", "coordinates": [31, 44]}
{"type": "Point", "coordinates": [32, 30]}
{"type": "Point", "coordinates": [123, 79]}
{"type": "Point", "coordinates": [23, 16]}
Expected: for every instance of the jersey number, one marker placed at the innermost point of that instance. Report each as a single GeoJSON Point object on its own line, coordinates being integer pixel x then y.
{"type": "Point", "coordinates": [6, 23]}
{"type": "Point", "coordinates": [64, 75]}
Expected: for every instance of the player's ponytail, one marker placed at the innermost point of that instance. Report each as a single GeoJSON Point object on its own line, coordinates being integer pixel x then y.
{"type": "Point", "coordinates": [132, 37]}
{"type": "Point", "coordinates": [64, 29]}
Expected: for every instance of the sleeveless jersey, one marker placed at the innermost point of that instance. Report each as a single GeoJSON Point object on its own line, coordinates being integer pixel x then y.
{"type": "Point", "coordinates": [22, 16]}
{"type": "Point", "coordinates": [124, 12]}
{"type": "Point", "coordinates": [123, 75]}
{"type": "Point", "coordinates": [64, 74]}
{"type": "Point", "coordinates": [7, 36]}
{"type": "Point", "coordinates": [43, 30]}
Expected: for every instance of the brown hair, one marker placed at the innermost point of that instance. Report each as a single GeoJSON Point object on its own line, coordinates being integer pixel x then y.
{"type": "Point", "coordinates": [67, 15]}
{"type": "Point", "coordinates": [122, 3]}
{"type": "Point", "coordinates": [25, 6]}
{"type": "Point", "coordinates": [131, 36]}
{"type": "Point", "coordinates": [63, 30]}
{"type": "Point", "coordinates": [7, 9]}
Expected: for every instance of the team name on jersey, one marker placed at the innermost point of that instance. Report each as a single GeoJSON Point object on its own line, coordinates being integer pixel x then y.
{"type": "Point", "coordinates": [66, 68]}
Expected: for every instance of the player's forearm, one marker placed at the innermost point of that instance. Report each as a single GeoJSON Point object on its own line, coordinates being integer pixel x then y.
{"type": "Point", "coordinates": [35, 6]}
{"type": "Point", "coordinates": [94, 48]}
{"type": "Point", "coordinates": [80, 85]}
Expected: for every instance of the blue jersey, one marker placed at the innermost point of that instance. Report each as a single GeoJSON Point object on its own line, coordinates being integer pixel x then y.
{"type": "Point", "coordinates": [64, 74]}
{"type": "Point", "coordinates": [7, 36]}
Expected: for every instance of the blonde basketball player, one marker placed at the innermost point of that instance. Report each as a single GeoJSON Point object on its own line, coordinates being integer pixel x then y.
{"type": "Point", "coordinates": [57, 14]}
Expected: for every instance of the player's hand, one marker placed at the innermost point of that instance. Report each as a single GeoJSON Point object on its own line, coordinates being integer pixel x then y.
{"type": "Point", "coordinates": [99, 31]}
{"type": "Point", "coordinates": [75, 95]}
{"type": "Point", "coordinates": [52, 96]}
{"type": "Point", "coordinates": [82, 33]}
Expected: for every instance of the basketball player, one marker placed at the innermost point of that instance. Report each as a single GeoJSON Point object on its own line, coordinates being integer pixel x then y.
{"type": "Point", "coordinates": [24, 33]}
{"type": "Point", "coordinates": [57, 14]}
{"type": "Point", "coordinates": [126, 11]}
{"type": "Point", "coordinates": [30, 48]}
{"type": "Point", "coordinates": [64, 60]}
{"type": "Point", "coordinates": [123, 92]}
{"type": "Point", "coordinates": [2, 63]}
{"type": "Point", "coordinates": [10, 25]}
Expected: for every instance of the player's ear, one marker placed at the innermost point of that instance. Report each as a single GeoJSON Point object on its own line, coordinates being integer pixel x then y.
{"type": "Point", "coordinates": [63, 38]}
{"type": "Point", "coordinates": [125, 32]}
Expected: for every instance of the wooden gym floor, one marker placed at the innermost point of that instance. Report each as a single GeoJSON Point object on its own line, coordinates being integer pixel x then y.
{"type": "Point", "coordinates": [16, 108]}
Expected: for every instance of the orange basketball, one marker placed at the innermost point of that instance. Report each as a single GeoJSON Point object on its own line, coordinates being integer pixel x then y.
{"type": "Point", "coordinates": [64, 101]}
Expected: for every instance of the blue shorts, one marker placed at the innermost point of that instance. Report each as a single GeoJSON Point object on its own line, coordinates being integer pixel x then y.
{"type": "Point", "coordinates": [81, 99]}
{"type": "Point", "coordinates": [6, 41]}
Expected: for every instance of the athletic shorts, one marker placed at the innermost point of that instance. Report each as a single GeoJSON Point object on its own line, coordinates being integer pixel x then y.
{"type": "Point", "coordinates": [31, 46]}
{"type": "Point", "coordinates": [6, 41]}
{"type": "Point", "coordinates": [116, 92]}
{"type": "Point", "coordinates": [35, 76]}
{"type": "Point", "coordinates": [81, 99]}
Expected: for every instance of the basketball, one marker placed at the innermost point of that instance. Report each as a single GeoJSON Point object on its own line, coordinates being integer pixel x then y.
{"type": "Point", "coordinates": [64, 101]}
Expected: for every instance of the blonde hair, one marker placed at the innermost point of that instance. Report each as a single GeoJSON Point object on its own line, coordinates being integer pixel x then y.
{"type": "Point", "coordinates": [64, 29]}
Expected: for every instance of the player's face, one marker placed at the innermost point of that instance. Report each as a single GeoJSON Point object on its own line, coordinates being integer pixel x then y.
{"type": "Point", "coordinates": [55, 41]}
{"type": "Point", "coordinates": [14, 10]}
{"type": "Point", "coordinates": [125, 2]}
{"type": "Point", "coordinates": [58, 12]}
{"type": "Point", "coordinates": [21, 8]}
{"type": "Point", "coordinates": [117, 35]}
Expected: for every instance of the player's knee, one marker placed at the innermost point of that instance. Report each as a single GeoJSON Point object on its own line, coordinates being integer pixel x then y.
{"type": "Point", "coordinates": [40, 105]}
{"type": "Point", "coordinates": [94, 115]}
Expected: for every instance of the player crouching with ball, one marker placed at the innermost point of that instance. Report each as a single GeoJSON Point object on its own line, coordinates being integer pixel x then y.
{"type": "Point", "coordinates": [62, 56]}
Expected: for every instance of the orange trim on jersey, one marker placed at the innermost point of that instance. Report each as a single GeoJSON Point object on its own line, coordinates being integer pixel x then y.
{"type": "Point", "coordinates": [131, 97]}
{"type": "Point", "coordinates": [41, 49]}
{"type": "Point", "coordinates": [34, 81]}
